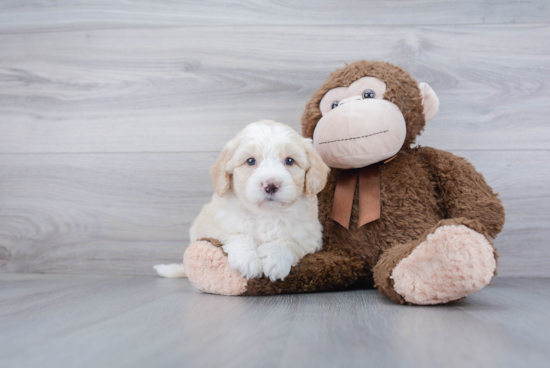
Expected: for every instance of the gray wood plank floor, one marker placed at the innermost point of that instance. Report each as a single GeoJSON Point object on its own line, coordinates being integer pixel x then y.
{"type": "Point", "coordinates": [122, 213]}
{"type": "Point", "coordinates": [190, 89]}
{"type": "Point", "coordinates": [121, 321]}
{"type": "Point", "coordinates": [111, 112]}
{"type": "Point", "coordinates": [27, 16]}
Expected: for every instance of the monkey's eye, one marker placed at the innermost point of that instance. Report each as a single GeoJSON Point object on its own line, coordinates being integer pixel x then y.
{"type": "Point", "coordinates": [369, 93]}
{"type": "Point", "coordinates": [251, 161]}
{"type": "Point", "coordinates": [335, 104]}
{"type": "Point", "coordinates": [289, 161]}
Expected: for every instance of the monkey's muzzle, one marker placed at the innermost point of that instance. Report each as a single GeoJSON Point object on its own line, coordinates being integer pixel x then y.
{"type": "Point", "coordinates": [359, 133]}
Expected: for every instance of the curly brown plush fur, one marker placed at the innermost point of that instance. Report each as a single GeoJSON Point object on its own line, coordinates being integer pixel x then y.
{"type": "Point", "coordinates": [421, 190]}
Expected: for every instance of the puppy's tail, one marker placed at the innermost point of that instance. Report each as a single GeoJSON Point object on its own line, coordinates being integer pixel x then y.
{"type": "Point", "coordinates": [171, 271]}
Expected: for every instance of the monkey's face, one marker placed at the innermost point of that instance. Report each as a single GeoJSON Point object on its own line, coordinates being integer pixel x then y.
{"type": "Point", "coordinates": [358, 127]}
{"type": "Point", "coordinates": [367, 112]}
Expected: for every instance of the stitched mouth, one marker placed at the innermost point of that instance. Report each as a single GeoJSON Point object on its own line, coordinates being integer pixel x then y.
{"type": "Point", "coordinates": [349, 139]}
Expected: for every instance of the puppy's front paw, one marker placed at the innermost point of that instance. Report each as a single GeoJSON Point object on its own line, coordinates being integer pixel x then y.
{"type": "Point", "coordinates": [244, 259]}
{"type": "Point", "coordinates": [276, 259]}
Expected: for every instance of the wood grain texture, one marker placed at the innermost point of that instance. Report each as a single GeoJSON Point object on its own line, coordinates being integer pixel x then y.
{"type": "Point", "coordinates": [189, 89]}
{"type": "Point", "coordinates": [25, 15]}
{"type": "Point", "coordinates": [122, 213]}
{"type": "Point", "coordinates": [119, 321]}
{"type": "Point", "coordinates": [99, 213]}
{"type": "Point", "coordinates": [112, 111]}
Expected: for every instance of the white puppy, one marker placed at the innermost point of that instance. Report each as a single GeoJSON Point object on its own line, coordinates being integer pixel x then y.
{"type": "Point", "coordinates": [264, 210]}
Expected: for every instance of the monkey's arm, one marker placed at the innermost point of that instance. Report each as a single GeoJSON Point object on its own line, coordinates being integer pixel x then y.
{"type": "Point", "coordinates": [321, 271]}
{"type": "Point", "coordinates": [208, 269]}
{"type": "Point", "coordinates": [463, 190]}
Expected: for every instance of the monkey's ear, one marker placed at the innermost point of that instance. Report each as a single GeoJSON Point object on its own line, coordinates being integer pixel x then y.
{"type": "Point", "coordinates": [317, 173]}
{"type": "Point", "coordinates": [219, 172]}
{"type": "Point", "coordinates": [430, 101]}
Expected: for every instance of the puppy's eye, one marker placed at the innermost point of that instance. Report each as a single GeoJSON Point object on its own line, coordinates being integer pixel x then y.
{"type": "Point", "coordinates": [335, 104]}
{"type": "Point", "coordinates": [289, 161]}
{"type": "Point", "coordinates": [251, 161]}
{"type": "Point", "coordinates": [369, 93]}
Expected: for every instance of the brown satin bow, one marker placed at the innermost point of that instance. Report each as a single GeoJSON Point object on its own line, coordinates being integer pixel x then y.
{"type": "Point", "coordinates": [369, 195]}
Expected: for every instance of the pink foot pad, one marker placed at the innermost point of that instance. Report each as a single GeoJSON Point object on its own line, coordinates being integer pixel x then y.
{"type": "Point", "coordinates": [207, 268]}
{"type": "Point", "coordinates": [451, 263]}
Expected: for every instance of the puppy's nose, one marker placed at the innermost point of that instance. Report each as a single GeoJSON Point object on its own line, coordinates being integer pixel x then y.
{"type": "Point", "coordinates": [271, 187]}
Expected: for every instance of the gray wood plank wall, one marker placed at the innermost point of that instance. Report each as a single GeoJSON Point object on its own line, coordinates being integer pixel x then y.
{"type": "Point", "coordinates": [112, 112]}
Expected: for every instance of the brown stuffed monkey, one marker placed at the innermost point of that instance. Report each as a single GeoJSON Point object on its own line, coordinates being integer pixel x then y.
{"type": "Point", "coordinates": [417, 223]}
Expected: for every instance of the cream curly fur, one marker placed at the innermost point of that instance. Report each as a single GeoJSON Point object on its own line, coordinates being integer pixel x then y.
{"type": "Point", "coordinates": [263, 233]}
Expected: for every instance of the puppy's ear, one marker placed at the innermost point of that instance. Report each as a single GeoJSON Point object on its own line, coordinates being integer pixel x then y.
{"type": "Point", "coordinates": [220, 171]}
{"type": "Point", "coordinates": [316, 175]}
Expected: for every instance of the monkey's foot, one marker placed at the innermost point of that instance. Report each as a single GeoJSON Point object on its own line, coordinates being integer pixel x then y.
{"type": "Point", "coordinates": [207, 268]}
{"type": "Point", "coordinates": [451, 263]}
